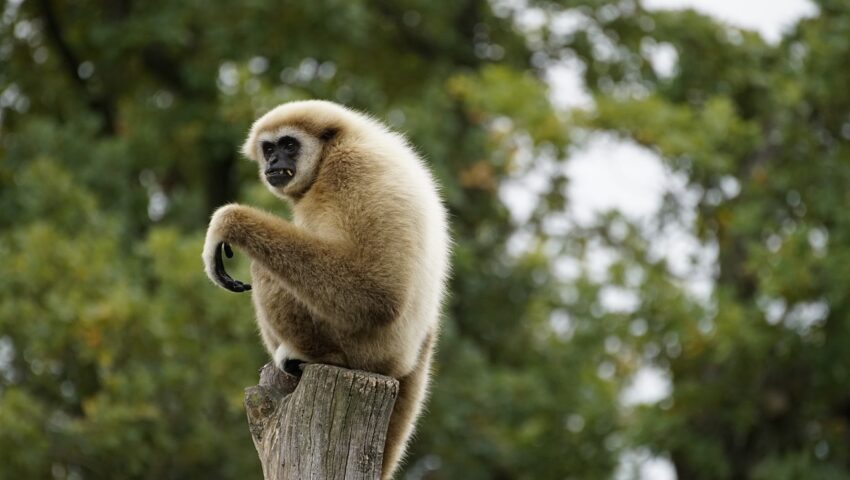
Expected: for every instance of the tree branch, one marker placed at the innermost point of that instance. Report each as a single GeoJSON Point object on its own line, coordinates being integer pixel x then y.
{"type": "Point", "coordinates": [98, 103]}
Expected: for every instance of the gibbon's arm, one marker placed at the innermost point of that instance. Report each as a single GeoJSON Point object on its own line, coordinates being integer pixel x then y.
{"type": "Point", "coordinates": [331, 279]}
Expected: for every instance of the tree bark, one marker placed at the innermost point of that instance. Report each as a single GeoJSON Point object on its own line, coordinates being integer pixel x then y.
{"type": "Point", "coordinates": [329, 424]}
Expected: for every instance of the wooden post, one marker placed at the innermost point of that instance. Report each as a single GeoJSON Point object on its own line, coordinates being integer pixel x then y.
{"type": "Point", "coordinates": [332, 424]}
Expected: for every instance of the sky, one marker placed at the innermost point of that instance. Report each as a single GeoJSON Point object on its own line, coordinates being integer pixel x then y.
{"type": "Point", "coordinates": [768, 17]}
{"type": "Point", "coordinates": [607, 173]}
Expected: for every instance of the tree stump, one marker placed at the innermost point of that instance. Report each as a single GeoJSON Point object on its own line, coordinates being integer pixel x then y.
{"type": "Point", "coordinates": [329, 424]}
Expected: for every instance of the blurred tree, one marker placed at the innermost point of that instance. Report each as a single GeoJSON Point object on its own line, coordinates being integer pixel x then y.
{"type": "Point", "coordinates": [121, 125]}
{"type": "Point", "coordinates": [121, 122]}
{"type": "Point", "coordinates": [760, 131]}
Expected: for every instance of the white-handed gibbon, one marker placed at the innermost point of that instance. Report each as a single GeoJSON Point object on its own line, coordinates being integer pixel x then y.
{"type": "Point", "coordinates": [356, 279]}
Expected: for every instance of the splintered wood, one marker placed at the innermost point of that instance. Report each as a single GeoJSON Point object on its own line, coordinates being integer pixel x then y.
{"type": "Point", "coordinates": [329, 424]}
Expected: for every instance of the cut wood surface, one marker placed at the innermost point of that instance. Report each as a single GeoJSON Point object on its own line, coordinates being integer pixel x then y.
{"type": "Point", "coordinates": [329, 424]}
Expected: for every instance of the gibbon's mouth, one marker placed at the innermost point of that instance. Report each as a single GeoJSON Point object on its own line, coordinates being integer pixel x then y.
{"type": "Point", "coordinates": [280, 176]}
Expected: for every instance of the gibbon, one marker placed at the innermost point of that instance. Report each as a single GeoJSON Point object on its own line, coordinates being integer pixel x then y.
{"type": "Point", "coordinates": [357, 278]}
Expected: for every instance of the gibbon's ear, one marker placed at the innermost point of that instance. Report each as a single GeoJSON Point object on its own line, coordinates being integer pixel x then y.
{"type": "Point", "coordinates": [328, 134]}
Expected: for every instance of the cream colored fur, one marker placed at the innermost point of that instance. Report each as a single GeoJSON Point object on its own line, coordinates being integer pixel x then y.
{"type": "Point", "coordinates": [357, 277]}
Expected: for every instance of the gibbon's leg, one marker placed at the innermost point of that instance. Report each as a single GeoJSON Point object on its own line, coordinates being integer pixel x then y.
{"type": "Point", "coordinates": [270, 340]}
{"type": "Point", "coordinates": [279, 351]}
{"type": "Point", "coordinates": [412, 389]}
{"type": "Point", "coordinates": [328, 278]}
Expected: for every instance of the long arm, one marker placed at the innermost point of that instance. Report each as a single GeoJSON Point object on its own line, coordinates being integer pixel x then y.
{"type": "Point", "coordinates": [332, 279]}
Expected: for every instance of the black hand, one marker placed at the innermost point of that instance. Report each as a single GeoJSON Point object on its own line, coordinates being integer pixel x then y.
{"type": "Point", "coordinates": [226, 280]}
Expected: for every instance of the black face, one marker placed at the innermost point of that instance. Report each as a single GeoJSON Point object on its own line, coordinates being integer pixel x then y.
{"type": "Point", "coordinates": [281, 160]}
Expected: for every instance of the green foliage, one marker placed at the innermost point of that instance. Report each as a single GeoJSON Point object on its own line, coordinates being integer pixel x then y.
{"type": "Point", "coordinates": [121, 122]}
{"type": "Point", "coordinates": [759, 382]}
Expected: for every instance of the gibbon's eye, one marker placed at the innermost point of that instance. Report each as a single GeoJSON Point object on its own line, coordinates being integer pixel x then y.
{"type": "Point", "coordinates": [268, 148]}
{"type": "Point", "coordinates": [290, 145]}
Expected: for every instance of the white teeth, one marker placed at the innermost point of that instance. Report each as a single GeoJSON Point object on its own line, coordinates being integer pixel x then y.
{"type": "Point", "coordinates": [289, 172]}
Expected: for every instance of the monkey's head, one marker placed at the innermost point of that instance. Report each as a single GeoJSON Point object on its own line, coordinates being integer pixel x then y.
{"type": "Point", "coordinates": [290, 142]}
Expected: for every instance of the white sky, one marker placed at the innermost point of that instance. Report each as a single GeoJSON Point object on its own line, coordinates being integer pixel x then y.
{"type": "Point", "coordinates": [769, 17]}
{"type": "Point", "coordinates": [609, 174]}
